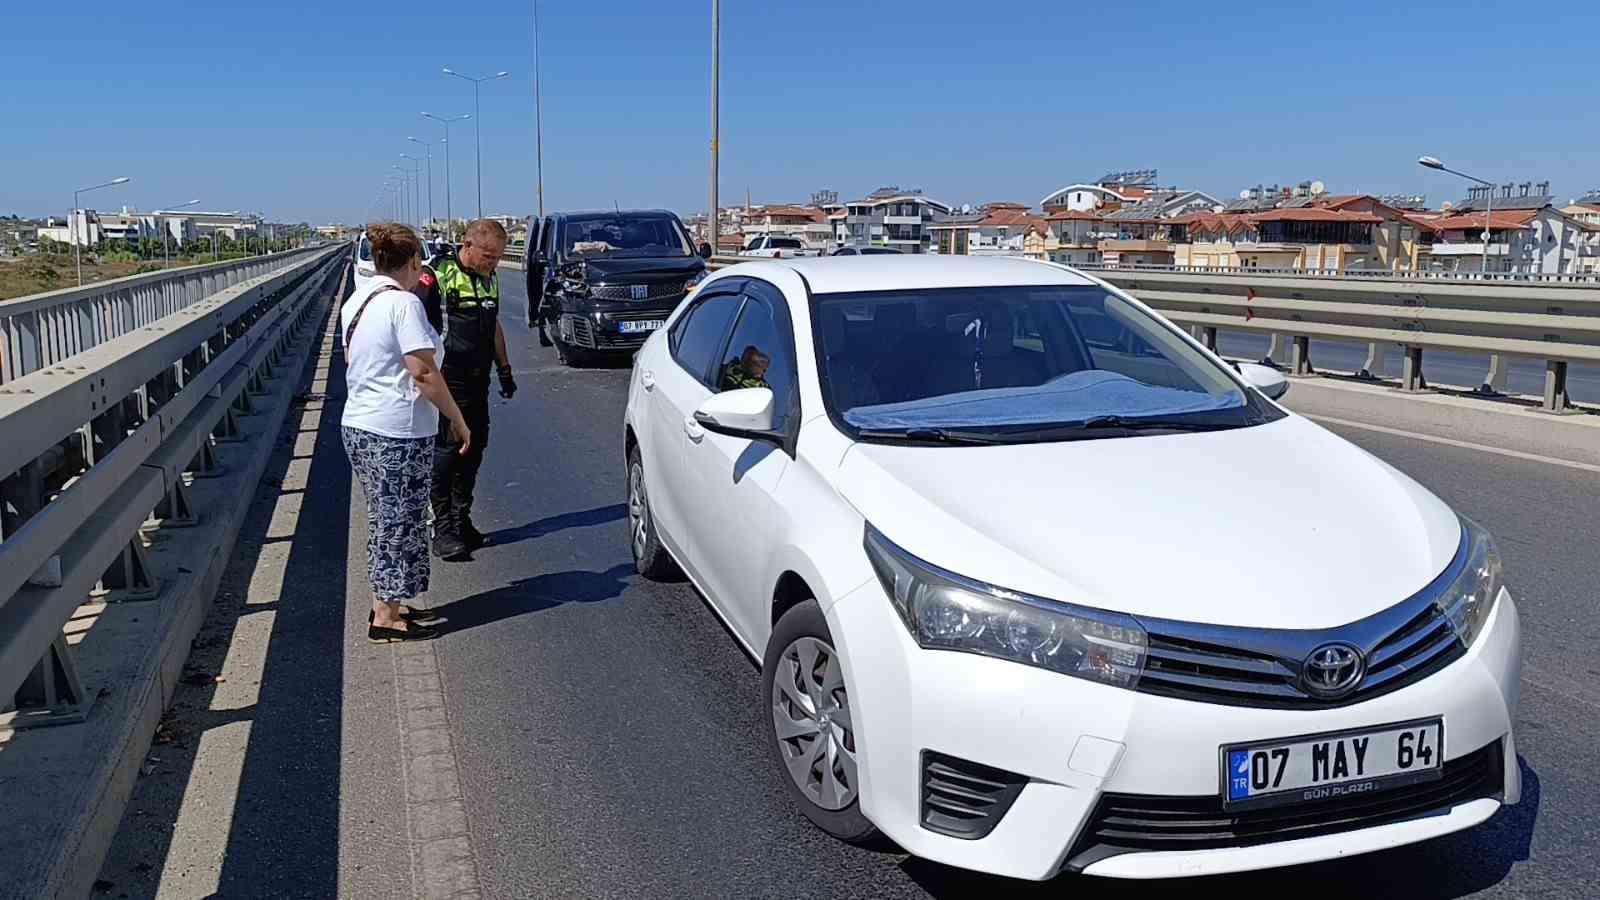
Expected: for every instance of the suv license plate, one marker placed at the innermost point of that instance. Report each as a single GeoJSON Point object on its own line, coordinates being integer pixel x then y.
{"type": "Point", "coordinates": [1331, 767]}
{"type": "Point", "coordinates": [634, 327]}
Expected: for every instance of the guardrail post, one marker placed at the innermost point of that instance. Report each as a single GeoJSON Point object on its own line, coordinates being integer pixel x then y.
{"type": "Point", "coordinates": [1411, 378]}
{"type": "Point", "coordinates": [130, 575]}
{"type": "Point", "coordinates": [1372, 369]}
{"type": "Point", "coordinates": [205, 463]}
{"type": "Point", "coordinates": [52, 694]}
{"type": "Point", "coordinates": [1494, 382]}
{"type": "Point", "coordinates": [175, 509]}
{"type": "Point", "coordinates": [1208, 336]}
{"type": "Point", "coordinates": [1555, 386]}
{"type": "Point", "coordinates": [1300, 356]}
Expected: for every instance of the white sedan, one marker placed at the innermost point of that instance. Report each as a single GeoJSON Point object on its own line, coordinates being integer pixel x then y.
{"type": "Point", "coordinates": [1040, 584]}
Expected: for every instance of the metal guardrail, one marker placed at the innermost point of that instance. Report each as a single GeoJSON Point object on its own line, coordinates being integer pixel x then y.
{"type": "Point", "coordinates": [98, 447]}
{"type": "Point", "coordinates": [1358, 274]}
{"type": "Point", "coordinates": [41, 330]}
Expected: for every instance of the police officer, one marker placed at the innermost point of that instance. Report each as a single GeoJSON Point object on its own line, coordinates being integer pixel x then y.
{"type": "Point", "coordinates": [462, 298]}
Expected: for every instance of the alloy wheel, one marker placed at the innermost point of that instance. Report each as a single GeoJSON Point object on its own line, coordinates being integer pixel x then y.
{"type": "Point", "coordinates": [811, 714]}
{"type": "Point", "coordinates": [638, 511]}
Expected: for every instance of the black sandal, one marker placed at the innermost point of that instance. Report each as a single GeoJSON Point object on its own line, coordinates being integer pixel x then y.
{"type": "Point", "coordinates": [380, 635]}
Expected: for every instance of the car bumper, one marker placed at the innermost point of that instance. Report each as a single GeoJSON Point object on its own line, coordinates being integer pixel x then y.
{"type": "Point", "coordinates": [1076, 742]}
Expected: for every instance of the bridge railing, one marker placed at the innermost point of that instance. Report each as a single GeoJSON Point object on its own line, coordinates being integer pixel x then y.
{"type": "Point", "coordinates": [102, 445]}
{"type": "Point", "coordinates": [41, 330]}
{"type": "Point", "coordinates": [1592, 277]}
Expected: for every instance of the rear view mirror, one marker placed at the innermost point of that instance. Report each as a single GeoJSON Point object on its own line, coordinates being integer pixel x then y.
{"type": "Point", "coordinates": [743, 413]}
{"type": "Point", "coordinates": [1265, 379]}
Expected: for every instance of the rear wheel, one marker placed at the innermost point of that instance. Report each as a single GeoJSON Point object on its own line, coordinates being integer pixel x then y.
{"type": "Point", "coordinates": [811, 725]}
{"type": "Point", "coordinates": [650, 558]}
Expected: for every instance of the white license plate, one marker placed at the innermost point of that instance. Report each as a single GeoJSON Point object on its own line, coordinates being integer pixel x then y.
{"type": "Point", "coordinates": [1331, 767]}
{"type": "Point", "coordinates": [635, 327]}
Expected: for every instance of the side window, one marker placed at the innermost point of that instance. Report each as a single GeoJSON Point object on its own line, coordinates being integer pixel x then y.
{"type": "Point", "coordinates": [758, 355]}
{"type": "Point", "coordinates": [698, 336]}
{"type": "Point", "coordinates": [546, 237]}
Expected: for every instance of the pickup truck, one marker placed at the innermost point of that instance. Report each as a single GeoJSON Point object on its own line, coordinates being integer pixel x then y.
{"type": "Point", "coordinates": [774, 246]}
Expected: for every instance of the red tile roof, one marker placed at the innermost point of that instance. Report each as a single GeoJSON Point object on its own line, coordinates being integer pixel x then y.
{"type": "Point", "coordinates": [1512, 219]}
{"type": "Point", "coordinates": [812, 213]}
{"type": "Point", "coordinates": [1314, 214]}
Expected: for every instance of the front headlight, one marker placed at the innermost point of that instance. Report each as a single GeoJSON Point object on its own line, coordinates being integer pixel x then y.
{"type": "Point", "coordinates": [1468, 599]}
{"type": "Point", "coordinates": [574, 286]}
{"type": "Point", "coordinates": [945, 611]}
{"type": "Point", "coordinates": [694, 281]}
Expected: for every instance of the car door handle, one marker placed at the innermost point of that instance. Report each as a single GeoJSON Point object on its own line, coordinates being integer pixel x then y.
{"type": "Point", "coordinates": [693, 430]}
{"type": "Point", "coordinates": [647, 380]}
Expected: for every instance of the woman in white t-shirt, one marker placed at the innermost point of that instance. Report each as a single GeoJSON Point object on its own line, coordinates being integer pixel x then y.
{"type": "Point", "coordinates": [394, 395]}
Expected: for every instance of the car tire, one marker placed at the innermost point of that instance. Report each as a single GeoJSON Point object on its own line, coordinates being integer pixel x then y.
{"type": "Point", "coordinates": [650, 558]}
{"type": "Point", "coordinates": [791, 694]}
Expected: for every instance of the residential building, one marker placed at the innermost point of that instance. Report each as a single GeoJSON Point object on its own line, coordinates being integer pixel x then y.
{"type": "Point", "coordinates": [1586, 208]}
{"type": "Point", "coordinates": [998, 229]}
{"type": "Point", "coordinates": [1112, 189]}
{"type": "Point", "coordinates": [1543, 241]}
{"type": "Point", "coordinates": [1313, 238]}
{"type": "Point", "coordinates": [890, 217]}
{"type": "Point", "coordinates": [809, 224]}
{"type": "Point", "coordinates": [1074, 237]}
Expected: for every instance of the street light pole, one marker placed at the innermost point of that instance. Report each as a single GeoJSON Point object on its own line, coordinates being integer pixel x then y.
{"type": "Point", "coordinates": [538, 112]}
{"type": "Point", "coordinates": [77, 239]}
{"type": "Point", "coordinates": [429, 147]}
{"type": "Point", "coordinates": [477, 123]}
{"type": "Point", "coordinates": [166, 231]}
{"type": "Point", "coordinates": [449, 214]}
{"type": "Point", "coordinates": [416, 189]}
{"type": "Point", "coordinates": [716, 52]}
{"type": "Point", "coordinates": [1433, 162]}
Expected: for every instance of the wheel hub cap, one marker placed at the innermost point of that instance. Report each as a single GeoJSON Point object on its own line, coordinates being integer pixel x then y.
{"type": "Point", "coordinates": [811, 716]}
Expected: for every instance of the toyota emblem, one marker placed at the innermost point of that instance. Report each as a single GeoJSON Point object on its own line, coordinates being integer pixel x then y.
{"type": "Point", "coordinates": [1332, 670]}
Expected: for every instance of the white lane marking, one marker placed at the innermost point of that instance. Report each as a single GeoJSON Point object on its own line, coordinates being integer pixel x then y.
{"type": "Point", "coordinates": [1451, 442]}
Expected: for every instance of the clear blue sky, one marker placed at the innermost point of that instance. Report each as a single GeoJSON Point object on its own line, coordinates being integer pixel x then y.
{"type": "Point", "coordinates": [297, 108]}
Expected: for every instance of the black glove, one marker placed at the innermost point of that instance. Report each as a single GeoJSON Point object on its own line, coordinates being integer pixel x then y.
{"type": "Point", "coordinates": [508, 385]}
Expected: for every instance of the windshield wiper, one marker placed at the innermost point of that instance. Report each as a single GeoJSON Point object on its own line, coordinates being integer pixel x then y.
{"type": "Point", "coordinates": [933, 435]}
{"type": "Point", "coordinates": [1096, 426]}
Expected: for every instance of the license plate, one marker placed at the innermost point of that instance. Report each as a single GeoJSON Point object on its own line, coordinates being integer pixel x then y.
{"type": "Point", "coordinates": [1331, 767]}
{"type": "Point", "coordinates": [634, 327]}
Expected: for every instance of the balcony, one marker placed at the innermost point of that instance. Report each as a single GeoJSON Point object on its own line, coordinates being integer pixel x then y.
{"type": "Point", "coordinates": [1476, 249]}
{"type": "Point", "coordinates": [1134, 245]}
{"type": "Point", "coordinates": [902, 220]}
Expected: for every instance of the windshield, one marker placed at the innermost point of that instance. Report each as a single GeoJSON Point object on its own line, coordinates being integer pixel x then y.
{"type": "Point", "coordinates": [623, 236]}
{"type": "Point", "coordinates": [779, 243]}
{"type": "Point", "coordinates": [1029, 363]}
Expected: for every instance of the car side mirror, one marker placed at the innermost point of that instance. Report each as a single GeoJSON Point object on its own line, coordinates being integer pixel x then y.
{"type": "Point", "coordinates": [1265, 379]}
{"type": "Point", "coordinates": [705, 250]}
{"type": "Point", "coordinates": [742, 413]}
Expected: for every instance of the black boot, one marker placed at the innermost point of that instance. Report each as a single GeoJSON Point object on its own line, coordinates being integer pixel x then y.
{"type": "Point", "coordinates": [447, 543]}
{"type": "Point", "coordinates": [470, 535]}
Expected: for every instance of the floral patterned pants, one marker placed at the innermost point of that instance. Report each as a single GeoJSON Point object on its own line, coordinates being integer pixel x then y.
{"type": "Point", "coordinates": [395, 475]}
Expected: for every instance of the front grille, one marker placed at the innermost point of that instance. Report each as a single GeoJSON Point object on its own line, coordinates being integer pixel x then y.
{"type": "Point", "coordinates": [1261, 667]}
{"type": "Point", "coordinates": [963, 799]}
{"type": "Point", "coordinates": [1134, 823]}
{"type": "Point", "coordinates": [661, 290]}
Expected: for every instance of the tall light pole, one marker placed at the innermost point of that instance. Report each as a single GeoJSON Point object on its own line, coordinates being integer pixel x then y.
{"type": "Point", "coordinates": [538, 112]}
{"type": "Point", "coordinates": [477, 121]}
{"type": "Point", "coordinates": [77, 239]}
{"type": "Point", "coordinates": [449, 215]}
{"type": "Point", "coordinates": [1433, 162]}
{"type": "Point", "coordinates": [716, 64]}
{"type": "Point", "coordinates": [416, 188]}
{"type": "Point", "coordinates": [166, 231]}
{"type": "Point", "coordinates": [428, 145]}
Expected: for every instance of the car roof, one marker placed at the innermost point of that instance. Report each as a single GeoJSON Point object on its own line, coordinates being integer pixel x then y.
{"type": "Point", "coordinates": [889, 272]}
{"type": "Point", "coordinates": [614, 212]}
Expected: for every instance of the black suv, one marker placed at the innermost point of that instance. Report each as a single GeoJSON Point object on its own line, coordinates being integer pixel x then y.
{"type": "Point", "coordinates": [602, 282]}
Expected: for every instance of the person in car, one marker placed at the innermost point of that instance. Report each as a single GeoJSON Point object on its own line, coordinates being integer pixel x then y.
{"type": "Point", "coordinates": [394, 395]}
{"type": "Point", "coordinates": [748, 371]}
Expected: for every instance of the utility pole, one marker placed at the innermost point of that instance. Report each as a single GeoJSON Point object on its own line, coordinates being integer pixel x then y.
{"type": "Point", "coordinates": [716, 22]}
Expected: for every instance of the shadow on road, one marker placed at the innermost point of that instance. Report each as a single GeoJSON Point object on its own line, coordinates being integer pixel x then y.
{"type": "Point", "coordinates": [552, 524]}
{"type": "Point", "coordinates": [536, 594]}
{"type": "Point", "coordinates": [1452, 866]}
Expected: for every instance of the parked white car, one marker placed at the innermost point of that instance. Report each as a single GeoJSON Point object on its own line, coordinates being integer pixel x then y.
{"type": "Point", "coordinates": [776, 246]}
{"type": "Point", "coordinates": [365, 268]}
{"type": "Point", "coordinates": [1039, 584]}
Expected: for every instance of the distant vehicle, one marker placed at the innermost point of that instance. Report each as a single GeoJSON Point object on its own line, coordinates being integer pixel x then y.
{"type": "Point", "coordinates": [863, 251]}
{"type": "Point", "coordinates": [601, 282]}
{"type": "Point", "coordinates": [365, 267]}
{"type": "Point", "coordinates": [776, 246]}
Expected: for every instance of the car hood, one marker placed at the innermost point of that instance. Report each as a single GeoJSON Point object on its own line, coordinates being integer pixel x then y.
{"type": "Point", "coordinates": [642, 270]}
{"type": "Point", "coordinates": [1281, 525]}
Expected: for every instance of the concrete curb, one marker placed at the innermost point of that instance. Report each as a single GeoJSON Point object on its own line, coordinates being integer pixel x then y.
{"type": "Point", "coordinates": [95, 804]}
{"type": "Point", "coordinates": [1499, 424]}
